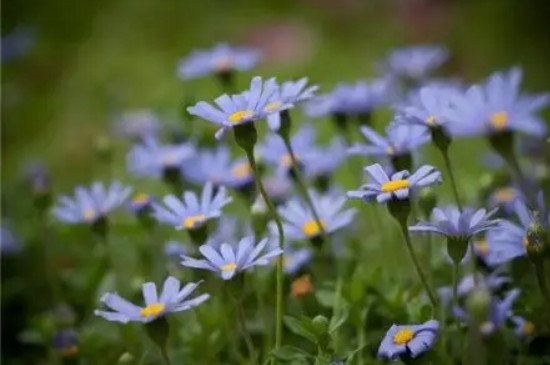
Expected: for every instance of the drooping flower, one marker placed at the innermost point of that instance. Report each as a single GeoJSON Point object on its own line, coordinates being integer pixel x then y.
{"type": "Point", "coordinates": [453, 223]}
{"type": "Point", "coordinates": [66, 343]}
{"type": "Point", "coordinates": [274, 152]}
{"type": "Point", "coordinates": [408, 340]}
{"type": "Point", "coordinates": [238, 109]}
{"type": "Point", "coordinates": [220, 59]}
{"type": "Point", "coordinates": [231, 259]}
{"type": "Point", "coordinates": [299, 222]}
{"type": "Point", "coordinates": [191, 213]}
{"type": "Point", "coordinates": [217, 167]}
{"type": "Point", "coordinates": [137, 124]}
{"type": "Point", "coordinates": [384, 188]}
{"type": "Point", "coordinates": [171, 300]}
{"type": "Point", "coordinates": [149, 158]}
{"type": "Point", "coordinates": [91, 204]}
{"type": "Point", "coordinates": [415, 62]}
{"type": "Point", "coordinates": [400, 139]}
{"type": "Point", "coordinates": [496, 106]}
{"type": "Point", "coordinates": [288, 95]}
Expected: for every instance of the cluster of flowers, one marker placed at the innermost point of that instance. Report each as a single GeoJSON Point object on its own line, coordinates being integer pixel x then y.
{"type": "Point", "coordinates": [424, 110]}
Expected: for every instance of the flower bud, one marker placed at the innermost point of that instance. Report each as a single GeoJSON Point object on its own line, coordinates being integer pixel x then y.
{"type": "Point", "coordinates": [321, 324]}
{"type": "Point", "coordinates": [125, 358]}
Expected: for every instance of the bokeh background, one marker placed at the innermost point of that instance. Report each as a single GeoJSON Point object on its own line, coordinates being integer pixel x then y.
{"type": "Point", "coordinates": [84, 62]}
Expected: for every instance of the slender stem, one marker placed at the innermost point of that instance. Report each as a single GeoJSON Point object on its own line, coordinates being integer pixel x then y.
{"type": "Point", "coordinates": [241, 319]}
{"type": "Point", "coordinates": [445, 153]}
{"type": "Point", "coordinates": [164, 354]}
{"type": "Point", "coordinates": [300, 184]}
{"type": "Point", "coordinates": [279, 269]}
{"type": "Point", "coordinates": [455, 283]}
{"type": "Point", "coordinates": [541, 281]}
{"type": "Point", "coordinates": [417, 266]}
{"type": "Point", "coordinates": [473, 261]}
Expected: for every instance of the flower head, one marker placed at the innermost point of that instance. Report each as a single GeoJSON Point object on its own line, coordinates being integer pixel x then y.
{"type": "Point", "coordinates": [190, 212]}
{"type": "Point", "coordinates": [383, 188]}
{"type": "Point", "coordinates": [295, 259]}
{"type": "Point", "coordinates": [65, 343]}
{"type": "Point", "coordinates": [218, 60]}
{"type": "Point", "coordinates": [238, 109]}
{"type": "Point", "coordinates": [149, 158]}
{"type": "Point", "coordinates": [231, 259]}
{"type": "Point", "coordinates": [415, 62]}
{"type": "Point", "coordinates": [171, 300]}
{"type": "Point", "coordinates": [496, 106]}
{"type": "Point", "coordinates": [299, 222]}
{"type": "Point", "coordinates": [506, 198]}
{"type": "Point", "coordinates": [140, 203]}
{"type": "Point", "coordinates": [137, 124]}
{"type": "Point", "coordinates": [273, 150]}
{"type": "Point", "coordinates": [522, 327]}
{"type": "Point", "coordinates": [216, 166]}
{"type": "Point", "coordinates": [453, 223]}
{"type": "Point", "coordinates": [91, 204]}
{"type": "Point", "coordinates": [288, 94]}
{"type": "Point", "coordinates": [411, 340]}
{"type": "Point", "coordinates": [400, 139]}
{"type": "Point", "coordinates": [325, 160]}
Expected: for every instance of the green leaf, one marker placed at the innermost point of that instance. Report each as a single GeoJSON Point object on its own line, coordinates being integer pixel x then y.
{"type": "Point", "coordinates": [339, 317]}
{"type": "Point", "coordinates": [325, 297]}
{"type": "Point", "coordinates": [288, 353]}
{"type": "Point", "coordinates": [302, 327]}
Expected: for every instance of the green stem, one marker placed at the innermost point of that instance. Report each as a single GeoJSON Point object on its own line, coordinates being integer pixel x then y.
{"type": "Point", "coordinates": [279, 269]}
{"type": "Point", "coordinates": [241, 319]}
{"type": "Point", "coordinates": [541, 281]}
{"type": "Point", "coordinates": [445, 153]}
{"type": "Point", "coordinates": [455, 283]}
{"type": "Point", "coordinates": [473, 262]}
{"type": "Point", "coordinates": [419, 271]}
{"type": "Point", "coordinates": [165, 357]}
{"type": "Point", "coordinates": [300, 184]}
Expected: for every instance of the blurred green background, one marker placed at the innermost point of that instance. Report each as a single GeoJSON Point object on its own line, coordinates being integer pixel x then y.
{"type": "Point", "coordinates": [91, 59]}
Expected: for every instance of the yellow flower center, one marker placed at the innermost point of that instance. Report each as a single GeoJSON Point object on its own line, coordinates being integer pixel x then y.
{"type": "Point", "coordinates": [272, 106]}
{"type": "Point", "coordinates": [141, 198]}
{"type": "Point", "coordinates": [528, 328]}
{"type": "Point", "coordinates": [402, 337]}
{"type": "Point", "coordinates": [286, 160]}
{"type": "Point", "coordinates": [505, 194]}
{"type": "Point", "coordinates": [431, 120]}
{"type": "Point", "coordinates": [301, 286]}
{"type": "Point", "coordinates": [241, 115]}
{"type": "Point", "coordinates": [230, 266]}
{"type": "Point", "coordinates": [395, 185]}
{"type": "Point", "coordinates": [312, 228]}
{"type": "Point", "coordinates": [152, 310]}
{"type": "Point", "coordinates": [390, 150]}
{"type": "Point", "coordinates": [191, 222]}
{"type": "Point", "coordinates": [241, 170]}
{"type": "Point", "coordinates": [482, 247]}
{"type": "Point", "coordinates": [89, 214]}
{"type": "Point", "coordinates": [499, 120]}
{"type": "Point", "coordinates": [525, 242]}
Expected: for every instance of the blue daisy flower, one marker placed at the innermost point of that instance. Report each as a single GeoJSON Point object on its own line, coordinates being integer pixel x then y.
{"type": "Point", "coordinates": [506, 197]}
{"type": "Point", "coordinates": [325, 160]}
{"type": "Point", "coordinates": [299, 222]}
{"type": "Point", "coordinates": [217, 167]}
{"type": "Point", "coordinates": [231, 259]}
{"type": "Point", "coordinates": [455, 224]}
{"type": "Point", "coordinates": [149, 158]}
{"type": "Point", "coordinates": [172, 299]}
{"type": "Point", "coordinates": [274, 152]}
{"type": "Point", "coordinates": [288, 94]}
{"type": "Point", "coordinates": [229, 229]}
{"type": "Point", "coordinates": [234, 110]}
{"type": "Point", "coordinates": [522, 327]}
{"type": "Point", "coordinates": [494, 281]}
{"type": "Point", "coordinates": [92, 204]}
{"type": "Point", "coordinates": [295, 259]}
{"type": "Point", "coordinates": [220, 59]}
{"type": "Point", "coordinates": [137, 124]}
{"type": "Point", "coordinates": [415, 62]}
{"type": "Point", "coordinates": [496, 106]}
{"type": "Point", "coordinates": [401, 139]}
{"type": "Point", "coordinates": [191, 213]}
{"type": "Point", "coordinates": [398, 186]}
{"type": "Point", "coordinates": [409, 340]}
{"type": "Point", "coordinates": [66, 343]}
{"type": "Point", "coordinates": [140, 203]}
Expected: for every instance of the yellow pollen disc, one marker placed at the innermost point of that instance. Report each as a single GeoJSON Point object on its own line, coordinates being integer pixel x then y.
{"type": "Point", "coordinates": [228, 267]}
{"type": "Point", "coordinates": [152, 310]}
{"type": "Point", "coordinates": [241, 170]}
{"type": "Point", "coordinates": [301, 286]}
{"type": "Point", "coordinates": [402, 337]}
{"type": "Point", "coordinates": [89, 214]}
{"type": "Point", "coordinates": [191, 222]}
{"type": "Point", "coordinates": [390, 150]}
{"type": "Point", "coordinates": [272, 106]}
{"type": "Point", "coordinates": [499, 120]}
{"type": "Point", "coordinates": [482, 247]}
{"type": "Point", "coordinates": [286, 160]}
{"type": "Point", "coordinates": [528, 328]}
{"type": "Point", "coordinates": [141, 198]}
{"type": "Point", "coordinates": [241, 115]}
{"type": "Point", "coordinates": [311, 228]}
{"type": "Point", "coordinates": [431, 120]}
{"type": "Point", "coordinates": [395, 185]}
{"type": "Point", "coordinates": [525, 241]}
{"type": "Point", "coordinates": [505, 195]}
